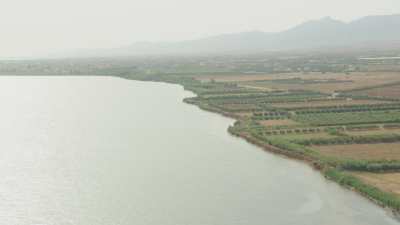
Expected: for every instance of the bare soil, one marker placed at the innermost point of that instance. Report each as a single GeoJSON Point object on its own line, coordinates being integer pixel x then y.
{"type": "Point", "coordinates": [285, 122]}
{"type": "Point", "coordinates": [389, 182]}
{"type": "Point", "coordinates": [381, 151]}
{"type": "Point", "coordinates": [388, 92]}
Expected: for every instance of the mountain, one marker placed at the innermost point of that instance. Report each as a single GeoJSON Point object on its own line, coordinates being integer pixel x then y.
{"type": "Point", "coordinates": [317, 34]}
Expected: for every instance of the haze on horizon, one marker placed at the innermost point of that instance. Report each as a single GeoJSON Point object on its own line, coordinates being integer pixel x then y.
{"type": "Point", "coordinates": [32, 28]}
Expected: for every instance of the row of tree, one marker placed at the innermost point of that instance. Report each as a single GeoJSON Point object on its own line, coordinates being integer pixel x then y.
{"type": "Point", "coordinates": [368, 139]}
{"type": "Point", "coordinates": [353, 108]}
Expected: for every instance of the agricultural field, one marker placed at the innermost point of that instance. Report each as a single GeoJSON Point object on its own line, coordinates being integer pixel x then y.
{"type": "Point", "coordinates": [377, 131]}
{"type": "Point", "coordinates": [239, 107]}
{"type": "Point", "coordinates": [389, 182]}
{"type": "Point", "coordinates": [380, 151]}
{"type": "Point", "coordinates": [283, 122]}
{"type": "Point", "coordinates": [301, 137]}
{"type": "Point", "coordinates": [327, 102]}
{"type": "Point", "coordinates": [392, 91]}
{"type": "Point", "coordinates": [321, 82]}
{"type": "Point", "coordinates": [243, 115]}
{"type": "Point", "coordinates": [325, 119]}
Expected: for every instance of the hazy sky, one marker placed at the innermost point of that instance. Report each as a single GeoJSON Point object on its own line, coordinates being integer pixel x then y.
{"type": "Point", "coordinates": [30, 27]}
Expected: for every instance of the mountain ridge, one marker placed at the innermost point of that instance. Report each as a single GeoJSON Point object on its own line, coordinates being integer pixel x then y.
{"type": "Point", "coordinates": [314, 34]}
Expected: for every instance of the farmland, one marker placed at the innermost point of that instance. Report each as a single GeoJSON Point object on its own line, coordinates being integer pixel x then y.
{"type": "Point", "coordinates": [326, 103]}
{"type": "Point", "coordinates": [380, 151]}
{"type": "Point", "coordinates": [304, 136]}
{"type": "Point", "coordinates": [388, 91]}
{"type": "Point", "coordinates": [372, 131]}
{"type": "Point", "coordinates": [283, 122]}
{"type": "Point", "coordinates": [323, 119]}
{"type": "Point", "coordinates": [322, 82]}
{"type": "Point", "coordinates": [389, 182]}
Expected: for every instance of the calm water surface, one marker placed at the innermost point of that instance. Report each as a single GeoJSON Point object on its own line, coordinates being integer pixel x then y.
{"type": "Point", "coordinates": [108, 151]}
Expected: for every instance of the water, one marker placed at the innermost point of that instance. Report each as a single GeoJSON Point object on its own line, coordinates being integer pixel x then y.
{"type": "Point", "coordinates": [108, 151]}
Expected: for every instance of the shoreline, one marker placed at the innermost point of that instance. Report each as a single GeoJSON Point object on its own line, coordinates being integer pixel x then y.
{"type": "Point", "coordinates": [324, 170]}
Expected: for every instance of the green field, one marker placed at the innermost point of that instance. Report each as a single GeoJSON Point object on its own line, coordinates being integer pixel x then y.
{"type": "Point", "coordinates": [325, 119]}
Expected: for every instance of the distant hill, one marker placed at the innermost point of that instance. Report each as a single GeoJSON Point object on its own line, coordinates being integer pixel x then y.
{"type": "Point", "coordinates": [317, 34]}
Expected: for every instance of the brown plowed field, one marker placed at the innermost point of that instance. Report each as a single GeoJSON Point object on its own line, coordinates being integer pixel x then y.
{"type": "Point", "coordinates": [389, 182]}
{"type": "Point", "coordinates": [381, 151]}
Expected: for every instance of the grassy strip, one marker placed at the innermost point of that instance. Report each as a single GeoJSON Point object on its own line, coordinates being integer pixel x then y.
{"type": "Point", "coordinates": [383, 198]}
{"type": "Point", "coordinates": [346, 118]}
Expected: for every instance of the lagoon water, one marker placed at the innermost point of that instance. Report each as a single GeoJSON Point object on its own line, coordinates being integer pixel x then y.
{"type": "Point", "coordinates": [109, 151]}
